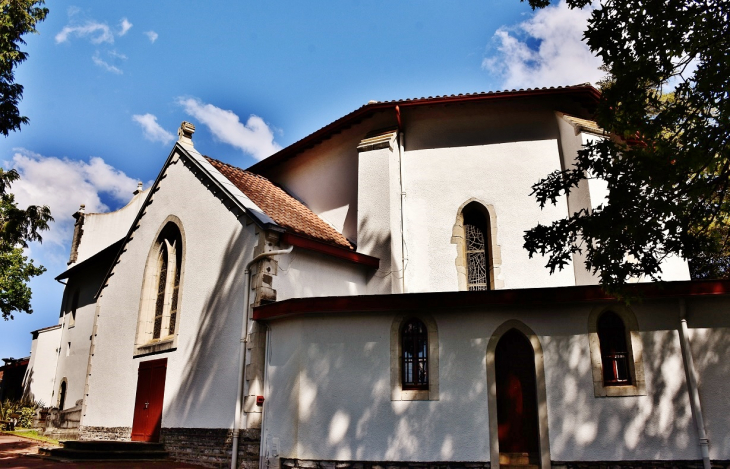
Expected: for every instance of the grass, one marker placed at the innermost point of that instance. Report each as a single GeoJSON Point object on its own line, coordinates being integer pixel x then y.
{"type": "Point", "coordinates": [33, 435]}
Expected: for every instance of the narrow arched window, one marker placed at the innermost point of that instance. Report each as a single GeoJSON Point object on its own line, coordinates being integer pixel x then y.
{"type": "Point", "coordinates": [159, 317]}
{"type": "Point", "coordinates": [476, 233]}
{"type": "Point", "coordinates": [62, 396]}
{"type": "Point", "coordinates": [414, 366]}
{"type": "Point", "coordinates": [74, 307]}
{"type": "Point", "coordinates": [614, 350]}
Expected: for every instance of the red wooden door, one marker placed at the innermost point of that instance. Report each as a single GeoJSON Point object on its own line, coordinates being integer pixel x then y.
{"type": "Point", "coordinates": [516, 395]}
{"type": "Point", "coordinates": [148, 403]}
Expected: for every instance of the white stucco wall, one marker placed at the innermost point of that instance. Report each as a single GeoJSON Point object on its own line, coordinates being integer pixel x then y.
{"type": "Point", "coordinates": [201, 383]}
{"type": "Point", "coordinates": [306, 274]}
{"type": "Point", "coordinates": [446, 166]}
{"type": "Point", "coordinates": [329, 388]}
{"type": "Point", "coordinates": [103, 229]}
{"type": "Point", "coordinates": [41, 371]}
{"type": "Point", "coordinates": [73, 361]}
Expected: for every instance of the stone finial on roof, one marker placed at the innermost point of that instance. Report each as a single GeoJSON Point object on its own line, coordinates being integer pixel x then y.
{"type": "Point", "coordinates": [139, 188]}
{"type": "Point", "coordinates": [82, 208]}
{"type": "Point", "coordinates": [185, 133]}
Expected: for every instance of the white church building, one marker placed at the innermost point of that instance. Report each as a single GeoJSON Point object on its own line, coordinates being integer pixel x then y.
{"type": "Point", "coordinates": [362, 298]}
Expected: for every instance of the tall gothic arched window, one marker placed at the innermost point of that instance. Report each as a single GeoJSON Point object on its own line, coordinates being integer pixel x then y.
{"type": "Point", "coordinates": [414, 366]}
{"type": "Point", "coordinates": [476, 233]}
{"type": "Point", "coordinates": [159, 311]}
{"type": "Point", "coordinates": [614, 350]}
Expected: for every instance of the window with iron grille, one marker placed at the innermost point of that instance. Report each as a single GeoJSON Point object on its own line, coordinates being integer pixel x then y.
{"type": "Point", "coordinates": [614, 350]}
{"type": "Point", "coordinates": [414, 340]}
{"type": "Point", "coordinates": [476, 233]}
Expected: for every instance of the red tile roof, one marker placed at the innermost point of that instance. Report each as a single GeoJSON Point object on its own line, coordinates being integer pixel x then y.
{"type": "Point", "coordinates": [284, 209]}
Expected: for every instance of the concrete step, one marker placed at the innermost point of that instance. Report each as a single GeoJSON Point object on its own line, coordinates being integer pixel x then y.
{"type": "Point", "coordinates": [105, 450]}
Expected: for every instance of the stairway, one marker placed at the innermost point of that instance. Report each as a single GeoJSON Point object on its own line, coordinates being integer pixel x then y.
{"type": "Point", "coordinates": [105, 450]}
{"type": "Point", "coordinates": [518, 461]}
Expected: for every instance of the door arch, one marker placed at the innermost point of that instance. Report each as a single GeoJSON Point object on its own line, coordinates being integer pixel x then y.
{"type": "Point", "coordinates": [517, 397]}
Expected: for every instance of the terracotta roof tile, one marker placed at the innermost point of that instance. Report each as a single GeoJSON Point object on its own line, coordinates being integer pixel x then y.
{"type": "Point", "coordinates": [284, 209]}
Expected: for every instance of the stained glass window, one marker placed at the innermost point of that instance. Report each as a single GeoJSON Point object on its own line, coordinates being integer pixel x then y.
{"type": "Point", "coordinates": [476, 258]}
{"type": "Point", "coordinates": [175, 290]}
{"type": "Point", "coordinates": [160, 303]}
{"type": "Point", "coordinates": [414, 336]}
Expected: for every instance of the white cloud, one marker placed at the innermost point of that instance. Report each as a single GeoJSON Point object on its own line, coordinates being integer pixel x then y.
{"type": "Point", "coordinates": [64, 185]}
{"type": "Point", "coordinates": [95, 31]}
{"type": "Point", "coordinates": [152, 36]}
{"type": "Point", "coordinates": [545, 50]}
{"type": "Point", "coordinates": [253, 137]}
{"type": "Point", "coordinates": [124, 26]}
{"type": "Point", "coordinates": [106, 66]}
{"type": "Point", "coordinates": [152, 130]}
{"type": "Point", "coordinates": [117, 55]}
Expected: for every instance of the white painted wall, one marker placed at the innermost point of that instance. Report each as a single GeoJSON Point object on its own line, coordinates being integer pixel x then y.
{"type": "Point", "coordinates": [104, 229]}
{"type": "Point", "coordinates": [201, 374]}
{"type": "Point", "coordinates": [447, 164]}
{"type": "Point", "coordinates": [41, 371]}
{"type": "Point", "coordinates": [328, 394]}
{"type": "Point", "coordinates": [73, 360]}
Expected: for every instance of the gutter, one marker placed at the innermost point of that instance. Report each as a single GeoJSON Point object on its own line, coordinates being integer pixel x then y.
{"type": "Point", "coordinates": [242, 350]}
{"type": "Point", "coordinates": [694, 395]}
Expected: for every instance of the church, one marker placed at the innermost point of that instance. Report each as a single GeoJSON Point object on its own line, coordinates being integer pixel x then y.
{"type": "Point", "coordinates": [362, 298]}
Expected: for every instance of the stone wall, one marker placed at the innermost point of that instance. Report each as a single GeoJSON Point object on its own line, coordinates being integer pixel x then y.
{"type": "Point", "coordinates": [302, 464]}
{"type": "Point", "coordinates": [211, 447]}
{"type": "Point", "coordinates": [105, 433]}
{"type": "Point", "coordinates": [307, 464]}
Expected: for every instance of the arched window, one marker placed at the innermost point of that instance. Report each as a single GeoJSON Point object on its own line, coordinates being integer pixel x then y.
{"type": "Point", "coordinates": [614, 350]}
{"type": "Point", "coordinates": [478, 258]}
{"type": "Point", "coordinates": [62, 395]}
{"type": "Point", "coordinates": [414, 340]}
{"type": "Point", "coordinates": [72, 310]}
{"type": "Point", "coordinates": [159, 318]}
{"type": "Point", "coordinates": [414, 358]}
{"type": "Point", "coordinates": [476, 233]}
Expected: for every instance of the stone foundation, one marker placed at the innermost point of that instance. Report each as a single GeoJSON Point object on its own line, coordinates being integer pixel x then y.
{"type": "Point", "coordinates": [301, 464]}
{"type": "Point", "coordinates": [211, 447]}
{"type": "Point", "coordinates": [638, 465]}
{"type": "Point", "coordinates": [308, 464]}
{"type": "Point", "coordinates": [105, 433]}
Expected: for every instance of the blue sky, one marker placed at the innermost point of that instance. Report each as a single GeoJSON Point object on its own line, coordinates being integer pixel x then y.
{"type": "Point", "coordinates": [108, 83]}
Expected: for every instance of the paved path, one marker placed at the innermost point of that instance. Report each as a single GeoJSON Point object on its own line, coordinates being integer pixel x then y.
{"type": "Point", "coordinates": [15, 453]}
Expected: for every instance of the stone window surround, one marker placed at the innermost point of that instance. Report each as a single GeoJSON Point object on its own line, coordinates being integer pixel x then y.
{"type": "Point", "coordinates": [397, 393]}
{"type": "Point", "coordinates": [636, 353]}
{"type": "Point", "coordinates": [494, 253]}
{"type": "Point", "coordinates": [148, 297]}
{"type": "Point", "coordinates": [541, 392]}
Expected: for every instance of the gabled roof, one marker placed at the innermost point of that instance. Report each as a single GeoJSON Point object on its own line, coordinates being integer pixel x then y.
{"type": "Point", "coordinates": [284, 209]}
{"type": "Point", "coordinates": [584, 93]}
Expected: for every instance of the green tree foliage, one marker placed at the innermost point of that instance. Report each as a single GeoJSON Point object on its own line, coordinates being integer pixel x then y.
{"type": "Point", "coordinates": [18, 17]}
{"type": "Point", "coordinates": [17, 228]}
{"type": "Point", "coordinates": [667, 165]}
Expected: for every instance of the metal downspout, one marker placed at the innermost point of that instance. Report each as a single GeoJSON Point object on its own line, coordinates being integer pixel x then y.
{"type": "Point", "coordinates": [694, 395]}
{"type": "Point", "coordinates": [401, 151]}
{"type": "Point", "coordinates": [242, 350]}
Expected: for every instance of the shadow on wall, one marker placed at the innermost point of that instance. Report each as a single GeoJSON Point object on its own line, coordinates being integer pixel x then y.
{"type": "Point", "coordinates": [206, 396]}
{"type": "Point", "coordinates": [711, 353]}
{"type": "Point", "coordinates": [333, 420]}
{"type": "Point", "coordinates": [619, 428]}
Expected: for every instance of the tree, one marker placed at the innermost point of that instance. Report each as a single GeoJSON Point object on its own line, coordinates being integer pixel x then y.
{"type": "Point", "coordinates": [667, 164]}
{"type": "Point", "coordinates": [18, 226]}
{"type": "Point", "coordinates": [18, 17]}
